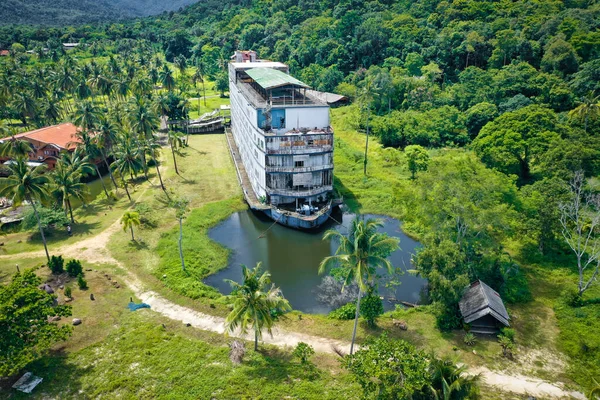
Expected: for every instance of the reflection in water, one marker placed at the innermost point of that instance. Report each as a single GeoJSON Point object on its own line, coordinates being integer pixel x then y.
{"type": "Point", "coordinates": [292, 257]}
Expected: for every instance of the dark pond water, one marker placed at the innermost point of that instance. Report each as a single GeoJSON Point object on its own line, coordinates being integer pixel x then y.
{"type": "Point", "coordinates": [292, 257]}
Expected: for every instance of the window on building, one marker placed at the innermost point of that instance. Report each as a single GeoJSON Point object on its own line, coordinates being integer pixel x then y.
{"type": "Point", "coordinates": [298, 164]}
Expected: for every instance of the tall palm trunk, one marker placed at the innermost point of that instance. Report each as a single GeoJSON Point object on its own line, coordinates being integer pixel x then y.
{"type": "Point", "coordinates": [356, 320]}
{"type": "Point", "coordinates": [256, 338]}
{"type": "Point", "coordinates": [101, 180]}
{"type": "Point", "coordinates": [144, 163]}
{"type": "Point", "coordinates": [181, 244]}
{"type": "Point", "coordinates": [112, 178]}
{"type": "Point", "coordinates": [367, 143]}
{"type": "Point", "coordinates": [131, 228]}
{"type": "Point", "coordinates": [160, 177]}
{"type": "Point", "coordinates": [70, 211]}
{"type": "Point", "coordinates": [37, 216]}
{"type": "Point", "coordinates": [126, 190]}
{"type": "Point", "coordinates": [174, 158]}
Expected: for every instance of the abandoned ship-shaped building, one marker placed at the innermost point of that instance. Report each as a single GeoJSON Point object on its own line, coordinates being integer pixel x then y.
{"type": "Point", "coordinates": [282, 142]}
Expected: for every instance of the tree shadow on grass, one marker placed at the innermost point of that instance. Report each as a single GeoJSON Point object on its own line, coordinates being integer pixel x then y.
{"type": "Point", "coordinates": [61, 379]}
{"type": "Point", "coordinates": [59, 234]}
{"type": "Point", "coordinates": [276, 365]}
{"type": "Point", "coordinates": [138, 244]}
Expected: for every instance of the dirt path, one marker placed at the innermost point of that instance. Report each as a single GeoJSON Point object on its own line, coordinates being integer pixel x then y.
{"type": "Point", "coordinates": [521, 384]}
{"type": "Point", "coordinates": [211, 323]}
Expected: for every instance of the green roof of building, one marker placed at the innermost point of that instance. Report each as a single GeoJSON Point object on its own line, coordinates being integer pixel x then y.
{"type": "Point", "coordinates": [269, 78]}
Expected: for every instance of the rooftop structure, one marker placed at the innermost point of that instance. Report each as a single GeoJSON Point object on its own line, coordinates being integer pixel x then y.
{"type": "Point", "coordinates": [47, 143]}
{"type": "Point", "coordinates": [482, 307]}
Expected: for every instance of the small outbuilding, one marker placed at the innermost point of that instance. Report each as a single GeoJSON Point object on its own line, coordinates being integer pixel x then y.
{"type": "Point", "coordinates": [483, 308]}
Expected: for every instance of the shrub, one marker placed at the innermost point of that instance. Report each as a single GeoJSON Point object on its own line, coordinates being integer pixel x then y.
{"type": "Point", "coordinates": [81, 282]}
{"type": "Point", "coordinates": [147, 215]}
{"type": "Point", "coordinates": [371, 307]}
{"type": "Point", "coordinates": [56, 264]}
{"type": "Point", "coordinates": [345, 312]}
{"type": "Point", "coordinates": [49, 218]}
{"type": "Point", "coordinates": [74, 268]}
{"type": "Point", "coordinates": [509, 333]}
{"type": "Point", "coordinates": [572, 298]}
{"type": "Point", "coordinates": [507, 345]}
{"type": "Point", "coordinates": [469, 339]}
{"type": "Point", "coordinates": [303, 351]}
{"type": "Point", "coordinates": [68, 291]}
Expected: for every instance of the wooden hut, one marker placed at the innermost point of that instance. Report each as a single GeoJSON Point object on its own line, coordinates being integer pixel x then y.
{"type": "Point", "coordinates": [482, 308]}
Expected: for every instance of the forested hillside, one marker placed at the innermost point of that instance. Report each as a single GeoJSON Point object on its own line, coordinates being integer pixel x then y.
{"type": "Point", "coordinates": [70, 12]}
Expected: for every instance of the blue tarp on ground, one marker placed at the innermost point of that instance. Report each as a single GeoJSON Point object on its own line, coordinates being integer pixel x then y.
{"type": "Point", "coordinates": [133, 306]}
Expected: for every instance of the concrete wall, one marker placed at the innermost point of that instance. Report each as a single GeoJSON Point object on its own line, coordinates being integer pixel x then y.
{"type": "Point", "coordinates": [306, 117]}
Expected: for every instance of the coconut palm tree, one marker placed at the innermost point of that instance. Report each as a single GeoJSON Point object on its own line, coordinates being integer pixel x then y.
{"type": "Point", "coordinates": [254, 301]}
{"type": "Point", "coordinates": [106, 135]}
{"type": "Point", "coordinates": [589, 108]}
{"type": "Point", "coordinates": [26, 184]}
{"type": "Point", "coordinates": [14, 147]}
{"type": "Point", "coordinates": [25, 106]}
{"type": "Point", "coordinates": [176, 142]}
{"type": "Point", "coordinates": [127, 160]}
{"type": "Point", "coordinates": [450, 381]}
{"type": "Point", "coordinates": [67, 185]}
{"type": "Point", "coordinates": [78, 162]}
{"type": "Point", "coordinates": [86, 116]}
{"type": "Point", "coordinates": [166, 78]}
{"type": "Point", "coordinates": [360, 253]}
{"type": "Point", "coordinates": [88, 145]}
{"type": "Point", "coordinates": [199, 77]}
{"type": "Point", "coordinates": [129, 220]}
{"type": "Point", "coordinates": [143, 122]}
{"type": "Point", "coordinates": [365, 100]}
{"type": "Point", "coordinates": [152, 147]}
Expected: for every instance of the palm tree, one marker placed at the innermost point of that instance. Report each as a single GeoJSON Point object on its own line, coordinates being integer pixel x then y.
{"type": "Point", "coordinates": [365, 99]}
{"type": "Point", "coordinates": [166, 78]}
{"type": "Point", "coordinates": [88, 145]}
{"type": "Point", "coordinates": [199, 77]}
{"type": "Point", "coordinates": [360, 254]}
{"type": "Point", "coordinates": [86, 116]}
{"type": "Point", "coordinates": [78, 162]}
{"type": "Point", "coordinates": [180, 207]}
{"type": "Point", "coordinates": [14, 147]}
{"type": "Point", "coordinates": [25, 106]}
{"type": "Point", "coordinates": [67, 184]}
{"type": "Point", "coordinates": [143, 121]}
{"type": "Point", "coordinates": [52, 111]}
{"type": "Point", "coordinates": [105, 137]}
{"type": "Point", "coordinates": [450, 381]}
{"type": "Point", "coordinates": [152, 147]}
{"type": "Point", "coordinates": [589, 108]}
{"type": "Point", "coordinates": [176, 142]}
{"type": "Point", "coordinates": [127, 160]}
{"type": "Point", "coordinates": [181, 63]}
{"type": "Point", "coordinates": [128, 220]}
{"type": "Point", "coordinates": [28, 184]}
{"type": "Point", "coordinates": [255, 299]}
